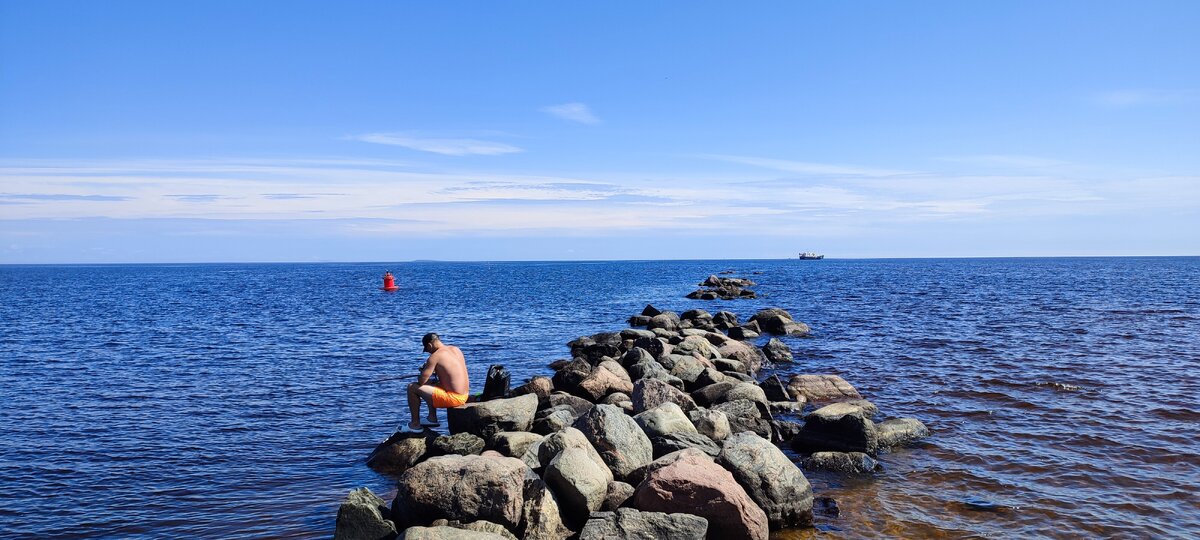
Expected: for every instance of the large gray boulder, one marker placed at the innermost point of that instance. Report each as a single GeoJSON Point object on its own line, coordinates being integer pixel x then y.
{"type": "Point", "coordinates": [778, 321]}
{"type": "Point", "coordinates": [664, 419]}
{"type": "Point", "coordinates": [691, 482]}
{"type": "Point", "coordinates": [697, 345]}
{"type": "Point", "coordinates": [570, 437]}
{"type": "Point", "coordinates": [846, 462]}
{"type": "Point", "coordinates": [488, 418]}
{"type": "Point", "coordinates": [821, 388]}
{"type": "Point", "coordinates": [749, 355]}
{"type": "Point", "coordinates": [559, 399]}
{"type": "Point", "coordinates": [650, 393]}
{"type": "Point", "coordinates": [579, 483]}
{"type": "Point", "coordinates": [898, 431]}
{"type": "Point", "coordinates": [631, 524]}
{"type": "Point", "coordinates": [618, 439]}
{"type": "Point", "coordinates": [842, 427]}
{"type": "Point", "coordinates": [542, 517]}
{"type": "Point", "coordinates": [361, 517]}
{"type": "Point", "coordinates": [464, 488]}
{"type": "Point", "coordinates": [602, 382]}
{"type": "Point", "coordinates": [554, 419]}
{"type": "Point", "coordinates": [666, 320]}
{"type": "Point", "coordinates": [777, 351]}
{"type": "Point", "coordinates": [770, 478]}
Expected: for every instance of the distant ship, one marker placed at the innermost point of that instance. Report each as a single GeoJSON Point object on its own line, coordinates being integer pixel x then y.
{"type": "Point", "coordinates": [810, 256]}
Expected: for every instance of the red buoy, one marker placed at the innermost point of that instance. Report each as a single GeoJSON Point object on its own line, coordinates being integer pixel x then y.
{"type": "Point", "coordinates": [389, 282]}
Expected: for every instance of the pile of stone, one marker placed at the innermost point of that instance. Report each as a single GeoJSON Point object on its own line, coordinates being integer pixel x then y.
{"type": "Point", "coordinates": [724, 288]}
{"type": "Point", "coordinates": [661, 432]}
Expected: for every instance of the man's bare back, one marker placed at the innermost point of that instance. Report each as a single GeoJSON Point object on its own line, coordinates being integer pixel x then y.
{"type": "Point", "coordinates": [451, 369]}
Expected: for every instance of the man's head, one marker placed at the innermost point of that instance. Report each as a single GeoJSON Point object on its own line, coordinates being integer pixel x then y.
{"type": "Point", "coordinates": [431, 342]}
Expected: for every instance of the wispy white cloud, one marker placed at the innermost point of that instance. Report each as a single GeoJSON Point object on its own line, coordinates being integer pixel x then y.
{"type": "Point", "coordinates": [575, 112]}
{"type": "Point", "coordinates": [1007, 161]}
{"type": "Point", "coordinates": [807, 168]}
{"type": "Point", "coordinates": [444, 146]}
{"type": "Point", "coordinates": [1138, 97]}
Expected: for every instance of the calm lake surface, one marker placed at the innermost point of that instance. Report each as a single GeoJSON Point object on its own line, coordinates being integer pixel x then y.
{"type": "Point", "coordinates": [240, 400]}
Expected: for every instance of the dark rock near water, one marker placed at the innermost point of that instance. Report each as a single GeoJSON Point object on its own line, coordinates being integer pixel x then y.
{"type": "Point", "coordinates": [639, 320]}
{"type": "Point", "coordinates": [774, 389]}
{"type": "Point", "coordinates": [568, 378]}
{"type": "Point", "coordinates": [650, 311]}
{"type": "Point", "coordinates": [770, 478]}
{"type": "Point", "coordinates": [742, 333]}
{"type": "Point", "coordinates": [725, 320]}
{"type": "Point", "coordinates": [400, 452]}
{"type": "Point", "coordinates": [488, 418]}
{"type": "Point", "coordinates": [846, 462]}
{"type": "Point", "coordinates": [899, 431]}
{"type": "Point", "coordinates": [841, 427]}
{"type": "Point", "coordinates": [631, 524]}
{"type": "Point", "coordinates": [777, 351]}
{"type": "Point", "coordinates": [361, 517]}
{"type": "Point", "coordinates": [826, 506]}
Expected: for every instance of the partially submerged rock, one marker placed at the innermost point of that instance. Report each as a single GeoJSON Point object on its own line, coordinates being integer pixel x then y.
{"type": "Point", "coordinates": [847, 462]}
{"type": "Point", "coordinates": [899, 431]}
{"type": "Point", "coordinates": [770, 478]}
{"type": "Point", "coordinates": [821, 388]}
{"type": "Point", "coordinates": [361, 517]}
{"type": "Point", "coordinates": [841, 427]}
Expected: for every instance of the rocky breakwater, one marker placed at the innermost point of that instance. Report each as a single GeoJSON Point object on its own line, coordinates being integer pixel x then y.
{"type": "Point", "coordinates": [658, 431]}
{"type": "Point", "coordinates": [723, 288]}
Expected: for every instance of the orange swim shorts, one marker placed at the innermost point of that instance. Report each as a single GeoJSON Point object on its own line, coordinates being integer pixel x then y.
{"type": "Point", "coordinates": [445, 400]}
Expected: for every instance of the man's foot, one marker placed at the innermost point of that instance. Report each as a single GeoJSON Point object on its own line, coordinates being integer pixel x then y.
{"type": "Point", "coordinates": [431, 422]}
{"type": "Point", "coordinates": [415, 426]}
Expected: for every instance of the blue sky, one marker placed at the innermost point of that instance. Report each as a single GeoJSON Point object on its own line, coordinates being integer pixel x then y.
{"type": "Point", "coordinates": [305, 131]}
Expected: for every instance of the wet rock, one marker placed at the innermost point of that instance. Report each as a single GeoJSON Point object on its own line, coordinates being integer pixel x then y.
{"type": "Point", "coordinates": [639, 320]}
{"type": "Point", "coordinates": [846, 462]}
{"type": "Point", "coordinates": [361, 517]}
{"type": "Point", "coordinates": [774, 389]}
{"type": "Point", "coordinates": [618, 493]}
{"type": "Point", "coordinates": [559, 364]}
{"type": "Point", "coordinates": [775, 321]}
{"type": "Point", "coordinates": [601, 382]}
{"type": "Point", "coordinates": [899, 431]}
{"type": "Point", "coordinates": [400, 452]}
{"type": "Point", "coordinates": [746, 415]}
{"type": "Point", "coordinates": [725, 320]}
{"type": "Point", "coordinates": [650, 311]}
{"type": "Point", "coordinates": [570, 437]}
{"type": "Point", "coordinates": [821, 388]}
{"type": "Point", "coordinates": [682, 440]}
{"type": "Point", "coordinates": [579, 483]}
{"type": "Point", "coordinates": [664, 419]}
{"type": "Point", "coordinates": [785, 430]}
{"type": "Point", "coordinates": [826, 506]}
{"type": "Point", "coordinates": [743, 333]}
{"type": "Point", "coordinates": [710, 423]}
{"type": "Point", "coordinates": [464, 488]}
{"type": "Point", "coordinates": [839, 427]}
{"type": "Point", "coordinates": [459, 443]}
{"type": "Point", "coordinates": [650, 393]}
{"type": "Point", "coordinates": [777, 352]}
{"type": "Point", "coordinates": [618, 439]}
{"type": "Point", "coordinates": [631, 524]}
{"type": "Point", "coordinates": [770, 478]}
{"type": "Point", "coordinates": [446, 533]}
{"type": "Point", "coordinates": [691, 482]}
{"type": "Point", "coordinates": [488, 418]}
{"type": "Point", "coordinates": [476, 526]}
{"type": "Point", "coordinates": [514, 443]}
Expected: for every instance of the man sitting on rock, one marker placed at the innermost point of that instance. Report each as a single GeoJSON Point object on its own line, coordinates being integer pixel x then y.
{"type": "Point", "coordinates": [452, 385]}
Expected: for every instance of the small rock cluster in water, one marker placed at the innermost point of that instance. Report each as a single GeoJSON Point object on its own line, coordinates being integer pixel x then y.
{"type": "Point", "coordinates": [655, 432]}
{"type": "Point", "coordinates": [724, 288]}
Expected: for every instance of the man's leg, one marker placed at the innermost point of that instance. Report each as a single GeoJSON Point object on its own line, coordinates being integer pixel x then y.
{"type": "Point", "coordinates": [416, 393]}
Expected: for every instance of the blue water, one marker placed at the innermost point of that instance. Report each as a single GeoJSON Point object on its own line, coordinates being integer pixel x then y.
{"type": "Point", "coordinates": [219, 401]}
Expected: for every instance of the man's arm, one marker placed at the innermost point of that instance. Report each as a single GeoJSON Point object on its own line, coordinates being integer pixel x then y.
{"type": "Point", "coordinates": [427, 370]}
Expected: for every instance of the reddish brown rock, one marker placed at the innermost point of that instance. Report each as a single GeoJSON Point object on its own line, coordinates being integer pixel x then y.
{"type": "Point", "coordinates": [690, 482]}
{"type": "Point", "coordinates": [650, 393]}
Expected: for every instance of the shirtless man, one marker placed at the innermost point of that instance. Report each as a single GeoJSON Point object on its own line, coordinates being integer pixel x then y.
{"type": "Point", "coordinates": [452, 385]}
